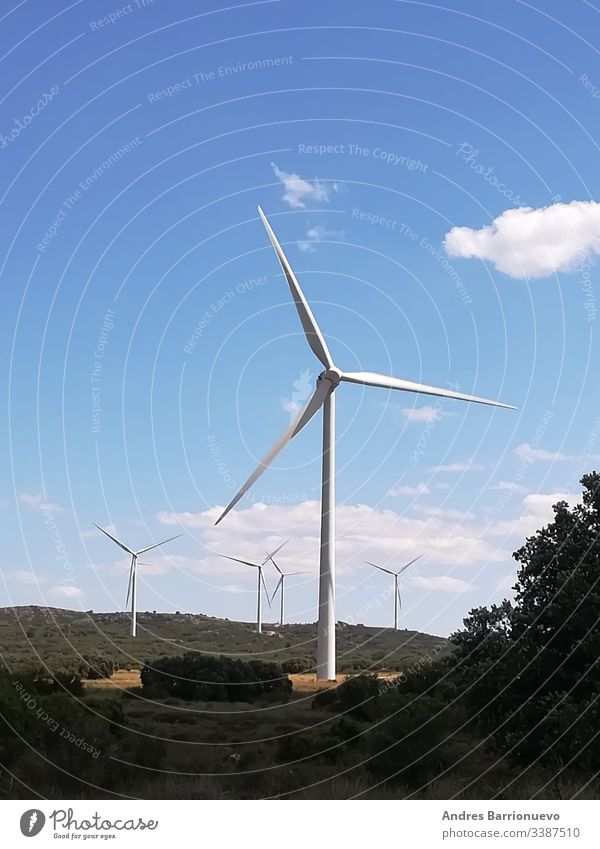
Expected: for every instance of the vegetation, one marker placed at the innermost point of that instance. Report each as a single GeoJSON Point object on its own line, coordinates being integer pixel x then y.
{"type": "Point", "coordinates": [509, 712]}
{"type": "Point", "coordinates": [530, 669]}
{"type": "Point", "coordinates": [92, 645]}
{"type": "Point", "coordinates": [198, 677]}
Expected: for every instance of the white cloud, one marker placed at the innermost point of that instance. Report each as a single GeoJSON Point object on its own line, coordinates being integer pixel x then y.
{"type": "Point", "coordinates": [511, 487]}
{"type": "Point", "coordinates": [466, 466]}
{"type": "Point", "coordinates": [446, 513]}
{"type": "Point", "coordinates": [422, 414]}
{"type": "Point", "coordinates": [527, 452]}
{"type": "Point", "coordinates": [536, 513]}
{"type": "Point", "coordinates": [529, 242]}
{"type": "Point", "coordinates": [66, 591]}
{"type": "Point", "coordinates": [318, 234]}
{"type": "Point", "coordinates": [419, 489]}
{"type": "Point", "coordinates": [363, 533]}
{"type": "Point", "coordinates": [297, 190]}
{"type": "Point", "coordinates": [23, 576]}
{"type": "Point", "coordinates": [38, 502]}
{"type": "Point", "coordinates": [440, 582]}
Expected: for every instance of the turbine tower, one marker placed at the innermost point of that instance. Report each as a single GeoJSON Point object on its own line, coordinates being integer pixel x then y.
{"type": "Point", "coordinates": [281, 582]}
{"type": "Point", "coordinates": [397, 596]}
{"type": "Point", "coordinates": [324, 396]}
{"type": "Point", "coordinates": [132, 583]}
{"type": "Point", "coordinates": [261, 584]}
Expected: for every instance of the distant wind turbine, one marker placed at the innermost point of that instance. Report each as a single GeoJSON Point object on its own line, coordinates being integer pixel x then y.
{"type": "Point", "coordinates": [397, 596]}
{"type": "Point", "coordinates": [327, 382]}
{"type": "Point", "coordinates": [132, 583]}
{"type": "Point", "coordinates": [261, 585]}
{"type": "Point", "coordinates": [281, 582]}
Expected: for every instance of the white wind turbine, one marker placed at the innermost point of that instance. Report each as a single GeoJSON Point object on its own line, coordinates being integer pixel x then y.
{"type": "Point", "coordinates": [260, 584]}
{"type": "Point", "coordinates": [132, 583]}
{"type": "Point", "coordinates": [397, 596]}
{"type": "Point", "coordinates": [281, 582]}
{"type": "Point", "coordinates": [327, 382]}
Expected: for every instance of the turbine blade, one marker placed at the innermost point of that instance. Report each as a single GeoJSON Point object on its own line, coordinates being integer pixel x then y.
{"type": "Point", "coordinates": [399, 598]}
{"type": "Point", "coordinates": [130, 581]}
{"type": "Point", "coordinates": [324, 387]}
{"type": "Point", "coordinates": [409, 564]}
{"type": "Point", "coordinates": [369, 378]}
{"type": "Point", "coordinates": [114, 539]}
{"type": "Point", "coordinates": [274, 564]}
{"type": "Point", "coordinates": [311, 328]}
{"type": "Point", "coordinates": [379, 567]}
{"type": "Point", "coordinates": [237, 560]}
{"type": "Point", "coordinates": [279, 582]}
{"type": "Point", "coordinates": [289, 574]}
{"type": "Point", "coordinates": [264, 583]}
{"type": "Point", "coordinates": [156, 544]}
{"type": "Point", "coordinates": [273, 553]}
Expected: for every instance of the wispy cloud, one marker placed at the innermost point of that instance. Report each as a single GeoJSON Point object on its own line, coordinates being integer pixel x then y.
{"type": "Point", "coordinates": [318, 234]}
{"type": "Point", "coordinates": [529, 242]}
{"type": "Point", "coordinates": [526, 452]}
{"type": "Point", "coordinates": [419, 489]}
{"type": "Point", "coordinates": [296, 190]}
{"type": "Point", "coordinates": [422, 414]}
{"type": "Point", "coordinates": [440, 582]}
{"type": "Point", "coordinates": [23, 576]}
{"type": "Point", "coordinates": [510, 486]}
{"type": "Point", "coordinates": [66, 591]}
{"type": "Point", "coordinates": [466, 466]}
{"type": "Point", "coordinates": [446, 513]}
{"type": "Point", "coordinates": [38, 502]}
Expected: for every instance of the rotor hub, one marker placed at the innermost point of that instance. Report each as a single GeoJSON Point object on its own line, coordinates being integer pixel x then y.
{"type": "Point", "coordinates": [333, 375]}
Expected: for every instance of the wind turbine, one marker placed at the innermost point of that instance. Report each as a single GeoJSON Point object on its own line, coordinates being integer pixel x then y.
{"type": "Point", "coordinates": [397, 596]}
{"type": "Point", "coordinates": [327, 382]}
{"type": "Point", "coordinates": [281, 582]}
{"type": "Point", "coordinates": [132, 583]}
{"type": "Point", "coordinates": [261, 584]}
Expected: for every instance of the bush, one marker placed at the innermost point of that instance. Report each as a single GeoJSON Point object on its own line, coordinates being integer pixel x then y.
{"type": "Point", "coordinates": [296, 665]}
{"type": "Point", "coordinates": [356, 695]}
{"type": "Point", "coordinates": [415, 744]}
{"type": "Point", "coordinates": [195, 677]}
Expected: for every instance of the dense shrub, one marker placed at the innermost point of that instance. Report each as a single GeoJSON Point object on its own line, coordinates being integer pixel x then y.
{"type": "Point", "coordinates": [356, 695]}
{"type": "Point", "coordinates": [202, 677]}
{"type": "Point", "coordinates": [415, 743]}
{"type": "Point", "coordinates": [52, 741]}
{"type": "Point", "coordinates": [296, 665]}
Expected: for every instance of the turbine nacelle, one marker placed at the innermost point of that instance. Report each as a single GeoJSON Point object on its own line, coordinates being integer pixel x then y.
{"type": "Point", "coordinates": [332, 374]}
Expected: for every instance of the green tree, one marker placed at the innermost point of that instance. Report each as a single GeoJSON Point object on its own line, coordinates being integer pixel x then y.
{"type": "Point", "coordinates": [531, 668]}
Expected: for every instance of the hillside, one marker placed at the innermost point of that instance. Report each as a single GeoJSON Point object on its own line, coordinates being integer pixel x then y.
{"type": "Point", "coordinates": [63, 639]}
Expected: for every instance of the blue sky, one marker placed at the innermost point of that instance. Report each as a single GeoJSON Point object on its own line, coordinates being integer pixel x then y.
{"type": "Point", "coordinates": [151, 352]}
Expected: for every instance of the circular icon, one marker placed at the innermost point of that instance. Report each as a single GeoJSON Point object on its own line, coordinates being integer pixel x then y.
{"type": "Point", "coordinates": [32, 822]}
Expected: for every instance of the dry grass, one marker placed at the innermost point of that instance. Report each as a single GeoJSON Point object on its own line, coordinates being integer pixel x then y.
{"type": "Point", "coordinates": [303, 683]}
{"type": "Point", "coordinates": [119, 680]}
